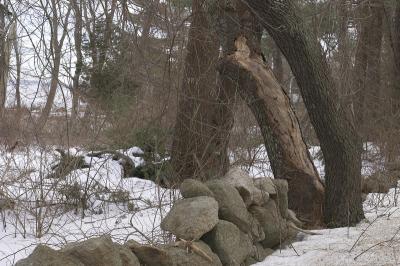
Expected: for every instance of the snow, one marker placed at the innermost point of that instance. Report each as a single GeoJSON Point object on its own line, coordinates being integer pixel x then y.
{"type": "Point", "coordinates": [39, 210]}
{"type": "Point", "coordinates": [40, 216]}
{"type": "Point", "coordinates": [375, 241]}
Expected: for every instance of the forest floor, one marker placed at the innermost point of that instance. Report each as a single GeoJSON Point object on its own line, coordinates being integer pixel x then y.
{"type": "Point", "coordinates": [132, 208]}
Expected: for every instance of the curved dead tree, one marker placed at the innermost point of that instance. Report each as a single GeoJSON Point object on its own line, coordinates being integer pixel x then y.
{"type": "Point", "coordinates": [338, 138]}
{"type": "Point", "coordinates": [270, 105]}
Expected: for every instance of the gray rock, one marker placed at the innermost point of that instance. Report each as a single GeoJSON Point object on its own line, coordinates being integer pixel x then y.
{"type": "Point", "coordinates": [95, 251]}
{"type": "Point", "coordinates": [260, 253]}
{"type": "Point", "coordinates": [266, 185]}
{"type": "Point", "coordinates": [191, 218]}
{"type": "Point", "coordinates": [127, 256]}
{"type": "Point", "coordinates": [45, 256]}
{"type": "Point", "coordinates": [282, 188]}
{"type": "Point", "coordinates": [257, 231]}
{"type": "Point", "coordinates": [149, 255]}
{"type": "Point", "coordinates": [245, 185]}
{"type": "Point", "coordinates": [180, 256]}
{"type": "Point", "coordinates": [250, 261]}
{"type": "Point", "coordinates": [364, 197]}
{"type": "Point", "coordinates": [191, 188]}
{"type": "Point", "coordinates": [291, 216]}
{"type": "Point", "coordinates": [230, 244]}
{"type": "Point", "coordinates": [231, 205]}
{"type": "Point", "coordinates": [291, 233]}
{"type": "Point", "coordinates": [273, 224]}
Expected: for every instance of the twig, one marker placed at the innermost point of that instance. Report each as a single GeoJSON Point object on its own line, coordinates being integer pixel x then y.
{"type": "Point", "coordinates": [377, 244]}
{"type": "Point", "coordinates": [192, 246]}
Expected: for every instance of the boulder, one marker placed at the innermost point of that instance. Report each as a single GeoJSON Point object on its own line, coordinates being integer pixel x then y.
{"type": "Point", "coordinates": [266, 185]}
{"type": "Point", "coordinates": [231, 205]}
{"type": "Point", "coordinates": [97, 251]}
{"type": "Point", "coordinates": [273, 224]}
{"type": "Point", "coordinates": [191, 218]}
{"type": "Point", "coordinates": [45, 256]}
{"type": "Point", "coordinates": [127, 256]}
{"type": "Point", "coordinates": [291, 216]}
{"type": "Point", "coordinates": [260, 253]}
{"type": "Point", "coordinates": [256, 230]}
{"type": "Point", "coordinates": [191, 188]}
{"type": "Point", "coordinates": [149, 255]}
{"type": "Point", "coordinates": [245, 185]}
{"type": "Point", "coordinates": [250, 261]}
{"type": "Point", "coordinates": [230, 244]}
{"type": "Point", "coordinates": [282, 189]}
{"type": "Point", "coordinates": [364, 196]}
{"type": "Point", "coordinates": [199, 255]}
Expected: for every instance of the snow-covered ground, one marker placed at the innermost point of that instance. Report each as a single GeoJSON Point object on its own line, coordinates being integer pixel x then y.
{"type": "Point", "coordinates": [375, 241]}
{"type": "Point", "coordinates": [40, 207]}
{"type": "Point", "coordinates": [132, 208]}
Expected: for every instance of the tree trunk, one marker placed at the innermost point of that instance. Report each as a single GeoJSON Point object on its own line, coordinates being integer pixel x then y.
{"type": "Point", "coordinates": [107, 34]}
{"type": "Point", "coordinates": [56, 56]}
{"type": "Point", "coordinates": [277, 64]}
{"type": "Point", "coordinates": [396, 52]}
{"type": "Point", "coordinates": [199, 143]}
{"type": "Point", "coordinates": [51, 96]}
{"type": "Point", "coordinates": [367, 67]}
{"type": "Point", "coordinates": [396, 41]}
{"type": "Point", "coordinates": [344, 58]}
{"type": "Point", "coordinates": [374, 104]}
{"type": "Point", "coordinates": [18, 62]}
{"type": "Point", "coordinates": [6, 56]}
{"type": "Point", "coordinates": [280, 129]}
{"type": "Point", "coordinates": [243, 66]}
{"type": "Point", "coordinates": [360, 67]}
{"type": "Point", "coordinates": [79, 61]}
{"type": "Point", "coordinates": [3, 65]}
{"type": "Point", "coordinates": [339, 141]}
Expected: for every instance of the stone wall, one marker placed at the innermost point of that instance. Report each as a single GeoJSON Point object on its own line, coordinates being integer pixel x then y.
{"type": "Point", "coordinates": [240, 218]}
{"type": "Point", "coordinates": [236, 220]}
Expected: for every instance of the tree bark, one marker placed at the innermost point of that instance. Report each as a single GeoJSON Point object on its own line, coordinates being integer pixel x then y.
{"type": "Point", "coordinates": [56, 56]}
{"type": "Point", "coordinates": [367, 67]}
{"type": "Point", "coordinates": [396, 41]}
{"type": "Point", "coordinates": [344, 57]}
{"type": "Point", "coordinates": [373, 105]}
{"type": "Point", "coordinates": [108, 31]}
{"type": "Point", "coordinates": [277, 64]}
{"type": "Point", "coordinates": [199, 143]}
{"type": "Point", "coordinates": [3, 65]}
{"type": "Point", "coordinates": [18, 62]}
{"type": "Point", "coordinates": [280, 129]}
{"type": "Point", "coordinates": [7, 34]}
{"type": "Point", "coordinates": [339, 141]}
{"type": "Point", "coordinates": [243, 66]}
{"type": "Point", "coordinates": [77, 7]}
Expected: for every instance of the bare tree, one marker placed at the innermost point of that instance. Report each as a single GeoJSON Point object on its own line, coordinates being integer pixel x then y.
{"type": "Point", "coordinates": [54, 15]}
{"type": "Point", "coordinates": [243, 65]}
{"type": "Point", "coordinates": [77, 7]}
{"type": "Point", "coordinates": [344, 55]}
{"type": "Point", "coordinates": [367, 66]}
{"type": "Point", "coordinates": [199, 144]}
{"type": "Point", "coordinates": [7, 34]}
{"type": "Point", "coordinates": [339, 140]}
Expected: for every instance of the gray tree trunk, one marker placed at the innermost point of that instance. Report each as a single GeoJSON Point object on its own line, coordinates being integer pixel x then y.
{"type": "Point", "coordinates": [243, 66]}
{"type": "Point", "coordinates": [200, 139]}
{"type": "Point", "coordinates": [338, 138]}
